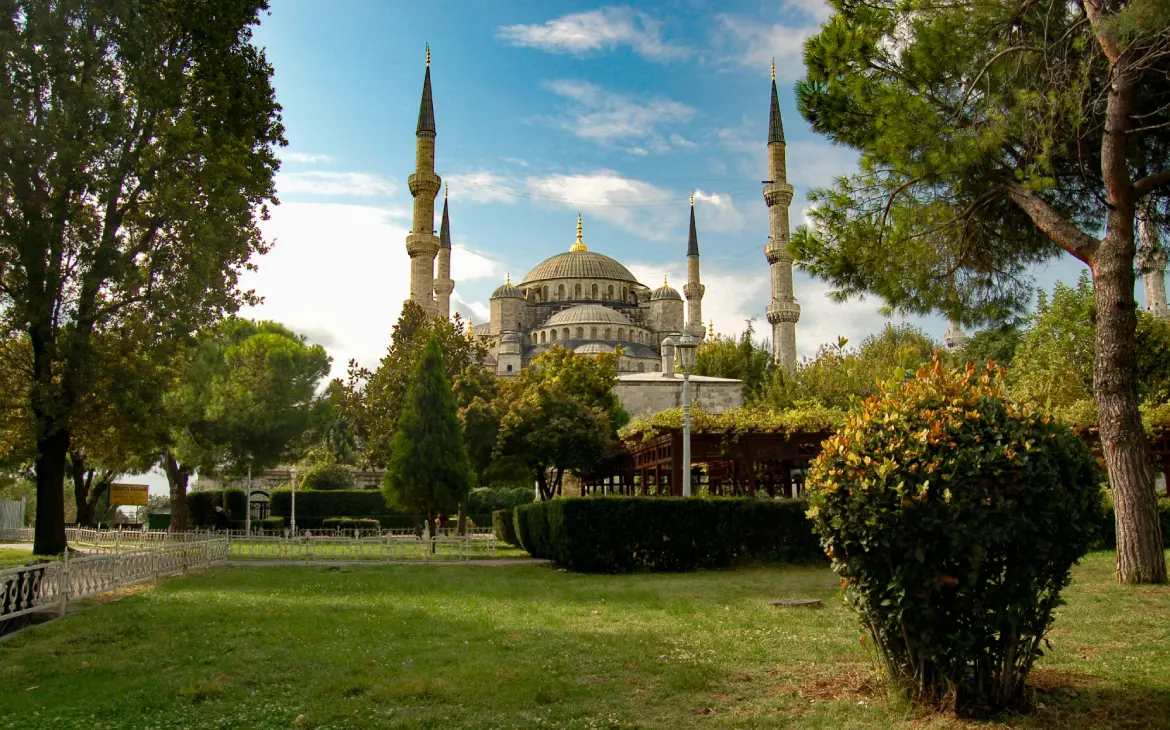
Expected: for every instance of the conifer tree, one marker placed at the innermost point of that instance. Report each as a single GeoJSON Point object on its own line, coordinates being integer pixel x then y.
{"type": "Point", "coordinates": [429, 471]}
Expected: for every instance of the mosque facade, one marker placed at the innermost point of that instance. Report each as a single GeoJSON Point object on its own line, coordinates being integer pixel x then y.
{"type": "Point", "coordinates": [582, 299]}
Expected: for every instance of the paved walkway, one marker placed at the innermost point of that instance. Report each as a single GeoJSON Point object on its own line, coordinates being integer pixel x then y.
{"type": "Point", "coordinates": [16, 546]}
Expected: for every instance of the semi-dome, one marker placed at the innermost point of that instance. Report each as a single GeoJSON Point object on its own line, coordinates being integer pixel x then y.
{"type": "Point", "coordinates": [508, 289]}
{"type": "Point", "coordinates": [587, 314]}
{"type": "Point", "coordinates": [579, 265]}
{"type": "Point", "coordinates": [592, 348]}
{"type": "Point", "coordinates": [666, 291]}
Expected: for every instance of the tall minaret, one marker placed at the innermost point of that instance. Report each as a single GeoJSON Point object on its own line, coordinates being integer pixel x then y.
{"type": "Point", "coordinates": [443, 284]}
{"type": "Point", "coordinates": [422, 244]}
{"type": "Point", "coordinates": [693, 291]}
{"type": "Point", "coordinates": [1152, 263]}
{"type": "Point", "coordinates": [955, 337]}
{"type": "Point", "coordinates": [783, 312]}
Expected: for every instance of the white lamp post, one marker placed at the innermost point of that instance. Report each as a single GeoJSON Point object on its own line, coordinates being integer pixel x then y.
{"type": "Point", "coordinates": [292, 522]}
{"type": "Point", "coordinates": [685, 346]}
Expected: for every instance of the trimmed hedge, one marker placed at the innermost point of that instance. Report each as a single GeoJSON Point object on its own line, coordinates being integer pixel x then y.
{"type": "Point", "coordinates": [201, 507]}
{"type": "Point", "coordinates": [621, 534]}
{"type": "Point", "coordinates": [504, 525]}
{"type": "Point", "coordinates": [351, 523]}
{"type": "Point", "coordinates": [319, 504]}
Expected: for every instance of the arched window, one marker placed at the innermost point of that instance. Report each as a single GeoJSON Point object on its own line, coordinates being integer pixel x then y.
{"type": "Point", "coordinates": [552, 336]}
{"type": "Point", "coordinates": [641, 367]}
{"type": "Point", "coordinates": [593, 333]}
{"type": "Point", "coordinates": [542, 341]}
{"type": "Point", "coordinates": [625, 294]}
{"type": "Point", "coordinates": [565, 332]}
{"type": "Point", "coordinates": [607, 333]}
{"type": "Point", "coordinates": [621, 333]}
{"type": "Point", "coordinates": [544, 294]}
{"type": "Point", "coordinates": [576, 291]}
{"type": "Point", "coordinates": [633, 297]}
{"type": "Point", "coordinates": [594, 291]}
{"type": "Point", "coordinates": [509, 368]}
{"type": "Point", "coordinates": [560, 291]}
{"type": "Point", "coordinates": [611, 291]}
{"type": "Point", "coordinates": [580, 333]}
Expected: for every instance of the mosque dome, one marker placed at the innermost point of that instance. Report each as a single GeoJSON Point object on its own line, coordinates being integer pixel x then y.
{"type": "Point", "coordinates": [588, 314]}
{"type": "Point", "coordinates": [579, 263]}
{"type": "Point", "coordinates": [593, 348]}
{"type": "Point", "coordinates": [508, 289]}
{"type": "Point", "coordinates": [666, 291]}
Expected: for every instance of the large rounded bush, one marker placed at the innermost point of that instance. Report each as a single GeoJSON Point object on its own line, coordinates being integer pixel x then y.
{"type": "Point", "coordinates": [953, 518]}
{"type": "Point", "coordinates": [483, 500]}
{"type": "Point", "coordinates": [327, 477]}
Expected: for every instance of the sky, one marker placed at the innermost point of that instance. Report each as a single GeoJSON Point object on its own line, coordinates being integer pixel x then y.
{"type": "Point", "coordinates": [543, 110]}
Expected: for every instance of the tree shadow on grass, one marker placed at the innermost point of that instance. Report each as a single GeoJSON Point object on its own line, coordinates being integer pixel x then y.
{"type": "Point", "coordinates": [1074, 700]}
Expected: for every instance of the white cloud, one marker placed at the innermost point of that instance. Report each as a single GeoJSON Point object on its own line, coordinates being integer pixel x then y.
{"type": "Point", "coordinates": [717, 212]}
{"type": "Point", "coordinates": [753, 44]}
{"type": "Point", "coordinates": [477, 311]}
{"type": "Point", "coordinates": [818, 10]}
{"type": "Point", "coordinates": [304, 157]}
{"type": "Point", "coordinates": [480, 187]}
{"type": "Point", "coordinates": [607, 117]}
{"type": "Point", "coordinates": [597, 30]}
{"type": "Point", "coordinates": [469, 265]}
{"type": "Point", "coordinates": [340, 184]}
{"type": "Point", "coordinates": [818, 164]}
{"type": "Point", "coordinates": [823, 320]}
{"type": "Point", "coordinates": [679, 141]}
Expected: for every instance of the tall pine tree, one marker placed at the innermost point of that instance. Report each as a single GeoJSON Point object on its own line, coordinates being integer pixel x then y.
{"type": "Point", "coordinates": [429, 471]}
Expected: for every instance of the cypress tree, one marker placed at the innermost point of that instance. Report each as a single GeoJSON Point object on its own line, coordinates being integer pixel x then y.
{"type": "Point", "coordinates": [429, 470]}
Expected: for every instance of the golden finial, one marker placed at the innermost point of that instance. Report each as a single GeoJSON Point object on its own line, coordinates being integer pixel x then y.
{"type": "Point", "coordinates": [446, 189]}
{"type": "Point", "coordinates": [429, 56]}
{"type": "Point", "coordinates": [692, 200]}
{"type": "Point", "coordinates": [508, 279]}
{"type": "Point", "coordinates": [579, 245]}
{"type": "Point", "coordinates": [773, 68]}
{"type": "Point", "coordinates": [469, 333]}
{"type": "Point", "coordinates": [711, 329]}
{"type": "Point", "coordinates": [664, 280]}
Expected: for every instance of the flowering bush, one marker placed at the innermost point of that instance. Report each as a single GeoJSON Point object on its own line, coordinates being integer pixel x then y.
{"type": "Point", "coordinates": [953, 517]}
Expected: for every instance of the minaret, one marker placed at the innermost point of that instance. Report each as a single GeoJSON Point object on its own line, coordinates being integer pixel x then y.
{"type": "Point", "coordinates": [1152, 264]}
{"type": "Point", "coordinates": [443, 284]}
{"type": "Point", "coordinates": [783, 312]}
{"type": "Point", "coordinates": [955, 337]}
{"type": "Point", "coordinates": [693, 290]}
{"type": "Point", "coordinates": [422, 244]}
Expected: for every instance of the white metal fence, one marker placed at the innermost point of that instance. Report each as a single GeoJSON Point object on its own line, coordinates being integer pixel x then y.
{"type": "Point", "coordinates": [11, 518]}
{"type": "Point", "coordinates": [52, 585]}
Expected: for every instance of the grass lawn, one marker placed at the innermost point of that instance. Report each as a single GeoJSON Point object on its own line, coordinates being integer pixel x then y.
{"type": "Point", "coordinates": [533, 647]}
{"type": "Point", "coordinates": [11, 557]}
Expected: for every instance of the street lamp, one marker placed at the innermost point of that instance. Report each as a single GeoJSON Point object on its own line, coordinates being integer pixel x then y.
{"type": "Point", "coordinates": [293, 514]}
{"type": "Point", "coordinates": [685, 346]}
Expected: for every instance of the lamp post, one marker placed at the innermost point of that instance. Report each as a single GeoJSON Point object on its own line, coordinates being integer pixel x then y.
{"type": "Point", "coordinates": [292, 522]}
{"type": "Point", "coordinates": [248, 505]}
{"type": "Point", "coordinates": [685, 346]}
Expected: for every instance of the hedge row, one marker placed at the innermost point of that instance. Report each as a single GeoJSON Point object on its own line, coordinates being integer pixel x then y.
{"type": "Point", "coordinates": [621, 534]}
{"type": "Point", "coordinates": [351, 523]}
{"type": "Point", "coordinates": [201, 507]}
{"type": "Point", "coordinates": [318, 504]}
{"type": "Point", "coordinates": [504, 525]}
{"type": "Point", "coordinates": [486, 500]}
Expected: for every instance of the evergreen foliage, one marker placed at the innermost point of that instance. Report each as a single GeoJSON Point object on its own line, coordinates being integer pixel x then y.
{"type": "Point", "coordinates": [744, 359]}
{"type": "Point", "coordinates": [429, 471]}
{"type": "Point", "coordinates": [953, 517]}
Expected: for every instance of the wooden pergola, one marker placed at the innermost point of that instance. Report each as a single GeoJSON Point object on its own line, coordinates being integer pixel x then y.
{"type": "Point", "coordinates": [744, 464]}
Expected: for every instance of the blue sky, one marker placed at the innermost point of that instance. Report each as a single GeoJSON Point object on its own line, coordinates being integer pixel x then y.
{"type": "Point", "coordinates": [543, 110]}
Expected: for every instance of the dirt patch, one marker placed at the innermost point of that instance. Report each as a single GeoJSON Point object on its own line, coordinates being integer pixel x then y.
{"type": "Point", "coordinates": [844, 682]}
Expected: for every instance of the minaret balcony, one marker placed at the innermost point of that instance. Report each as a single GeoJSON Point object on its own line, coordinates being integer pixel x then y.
{"type": "Point", "coordinates": [444, 286]}
{"type": "Point", "coordinates": [777, 252]}
{"type": "Point", "coordinates": [783, 312]}
{"type": "Point", "coordinates": [424, 182]}
{"type": "Point", "coordinates": [422, 244]}
{"type": "Point", "coordinates": [691, 292]}
{"type": "Point", "coordinates": [777, 193]}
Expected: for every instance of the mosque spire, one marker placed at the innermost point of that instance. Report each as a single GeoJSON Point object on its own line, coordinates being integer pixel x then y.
{"type": "Point", "coordinates": [775, 123]}
{"type": "Point", "coordinates": [693, 291]}
{"type": "Point", "coordinates": [445, 226]}
{"type": "Point", "coordinates": [426, 109]}
{"type": "Point", "coordinates": [579, 245]}
{"type": "Point", "coordinates": [693, 241]}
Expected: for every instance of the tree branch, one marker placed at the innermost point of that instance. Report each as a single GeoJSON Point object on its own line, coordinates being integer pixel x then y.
{"type": "Point", "coordinates": [1053, 223]}
{"type": "Point", "coordinates": [1148, 184]}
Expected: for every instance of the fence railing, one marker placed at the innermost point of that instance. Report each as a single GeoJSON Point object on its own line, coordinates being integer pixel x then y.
{"type": "Point", "coordinates": [52, 585]}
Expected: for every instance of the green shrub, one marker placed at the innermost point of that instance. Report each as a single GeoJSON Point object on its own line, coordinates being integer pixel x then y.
{"type": "Point", "coordinates": [622, 534]}
{"type": "Point", "coordinates": [954, 517]}
{"type": "Point", "coordinates": [351, 523]}
{"type": "Point", "coordinates": [317, 505]}
{"type": "Point", "coordinates": [269, 524]}
{"type": "Point", "coordinates": [202, 512]}
{"type": "Point", "coordinates": [483, 500]}
{"type": "Point", "coordinates": [504, 526]}
{"type": "Point", "coordinates": [515, 496]}
{"type": "Point", "coordinates": [327, 477]}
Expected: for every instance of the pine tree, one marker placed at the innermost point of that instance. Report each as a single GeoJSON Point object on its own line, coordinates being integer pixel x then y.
{"type": "Point", "coordinates": [429, 471]}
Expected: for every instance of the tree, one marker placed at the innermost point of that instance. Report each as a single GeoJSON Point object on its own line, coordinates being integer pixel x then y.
{"type": "Point", "coordinates": [371, 402]}
{"type": "Point", "coordinates": [997, 344]}
{"type": "Point", "coordinates": [428, 471]}
{"type": "Point", "coordinates": [559, 414]}
{"type": "Point", "coordinates": [246, 392]}
{"type": "Point", "coordinates": [994, 136]}
{"type": "Point", "coordinates": [138, 151]}
{"type": "Point", "coordinates": [743, 359]}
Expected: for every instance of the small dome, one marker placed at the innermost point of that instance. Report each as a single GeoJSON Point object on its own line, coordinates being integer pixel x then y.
{"type": "Point", "coordinates": [588, 314]}
{"type": "Point", "coordinates": [593, 348]}
{"type": "Point", "coordinates": [666, 291]}
{"type": "Point", "coordinates": [509, 337]}
{"type": "Point", "coordinates": [508, 290]}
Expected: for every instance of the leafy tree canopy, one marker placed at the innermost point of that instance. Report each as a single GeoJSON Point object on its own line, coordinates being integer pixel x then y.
{"type": "Point", "coordinates": [743, 359]}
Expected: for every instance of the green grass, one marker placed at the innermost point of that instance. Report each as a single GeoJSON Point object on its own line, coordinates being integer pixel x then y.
{"type": "Point", "coordinates": [323, 550]}
{"type": "Point", "coordinates": [10, 557]}
{"type": "Point", "coordinates": [534, 647]}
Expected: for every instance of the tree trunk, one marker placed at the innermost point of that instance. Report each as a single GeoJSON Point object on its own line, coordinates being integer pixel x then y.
{"type": "Point", "coordinates": [431, 528]}
{"type": "Point", "coordinates": [416, 522]}
{"type": "Point", "coordinates": [542, 484]}
{"type": "Point", "coordinates": [1140, 556]}
{"type": "Point", "coordinates": [461, 527]}
{"type": "Point", "coordinates": [81, 483]}
{"type": "Point", "coordinates": [177, 477]}
{"type": "Point", "coordinates": [49, 534]}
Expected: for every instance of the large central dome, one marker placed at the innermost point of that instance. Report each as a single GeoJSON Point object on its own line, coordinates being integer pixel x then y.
{"type": "Point", "coordinates": [579, 265]}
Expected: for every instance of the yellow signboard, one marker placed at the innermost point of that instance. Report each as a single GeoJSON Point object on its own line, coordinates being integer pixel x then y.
{"type": "Point", "coordinates": [128, 495]}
